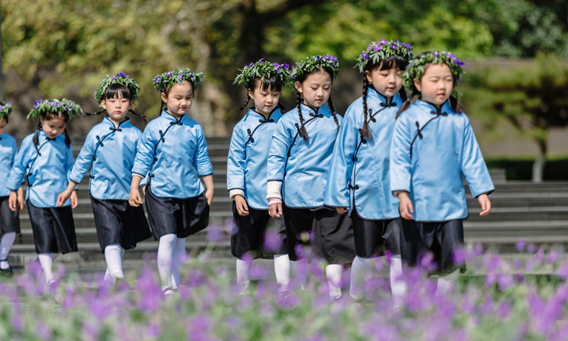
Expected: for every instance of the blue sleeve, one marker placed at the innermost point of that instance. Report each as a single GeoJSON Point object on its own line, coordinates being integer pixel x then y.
{"type": "Point", "coordinates": [21, 163]}
{"type": "Point", "coordinates": [84, 160]}
{"type": "Point", "coordinates": [341, 167]}
{"type": "Point", "coordinates": [15, 149]}
{"type": "Point", "coordinates": [400, 163]}
{"type": "Point", "coordinates": [473, 166]}
{"type": "Point", "coordinates": [144, 153]}
{"type": "Point", "coordinates": [281, 141]}
{"type": "Point", "coordinates": [70, 162]}
{"type": "Point", "coordinates": [201, 156]}
{"type": "Point", "coordinates": [236, 161]}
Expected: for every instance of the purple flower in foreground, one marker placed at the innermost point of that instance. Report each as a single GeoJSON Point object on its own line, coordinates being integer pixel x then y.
{"type": "Point", "coordinates": [520, 245]}
{"type": "Point", "coordinates": [531, 248]}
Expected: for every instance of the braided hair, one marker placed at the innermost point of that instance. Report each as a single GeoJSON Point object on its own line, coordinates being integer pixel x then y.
{"type": "Point", "coordinates": [332, 108]}
{"type": "Point", "coordinates": [302, 128]}
{"type": "Point", "coordinates": [114, 91]}
{"type": "Point", "coordinates": [273, 83]}
{"type": "Point", "coordinates": [456, 105]}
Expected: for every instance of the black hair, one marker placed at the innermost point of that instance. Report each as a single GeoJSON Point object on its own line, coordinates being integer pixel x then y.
{"type": "Point", "coordinates": [415, 94]}
{"type": "Point", "coordinates": [394, 61]}
{"type": "Point", "coordinates": [273, 83]}
{"type": "Point", "coordinates": [118, 91]}
{"type": "Point", "coordinates": [48, 116]}
{"type": "Point", "coordinates": [302, 128]}
{"type": "Point", "coordinates": [166, 91]}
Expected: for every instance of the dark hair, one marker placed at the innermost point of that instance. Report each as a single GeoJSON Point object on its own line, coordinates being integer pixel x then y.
{"type": "Point", "coordinates": [166, 91]}
{"type": "Point", "coordinates": [387, 64]}
{"type": "Point", "coordinates": [46, 116]}
{"type": "Point", "coordinates": [302, 129]}
{"type": "Point", "coordinates": [118, 91]}
{"type": "Point", "coordinates": [454, 103]}
{"type": "Point", "coordinates": [273, 83]}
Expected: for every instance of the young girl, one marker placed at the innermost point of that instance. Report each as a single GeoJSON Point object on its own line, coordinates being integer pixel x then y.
{"type": "Point", "coordinates": [246, 171]}
{"type": "Point", "coordinates": [433, 147]}
{"type": "Point", "coordinates": [173, 152]}
{"type": "Point", "coordinates": [9, 220]}
{"type": "Point", "coordinates": [109, 151]}
{"type": "Point", "coordinates": [359, 176]}
{"type": "Point", "coordinates": [298, 166]}
{"type": "Point", "coordinates": [46, 157]}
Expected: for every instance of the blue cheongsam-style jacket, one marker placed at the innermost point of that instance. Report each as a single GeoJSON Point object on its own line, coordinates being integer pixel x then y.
{"type": "Point", "coordinates": [8, 151]}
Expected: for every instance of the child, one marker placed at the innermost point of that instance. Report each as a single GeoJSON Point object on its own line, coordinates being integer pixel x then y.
{"type": "Point", "coordinates": [9, 220]}
{"type": "Point", "coordinates": [109, 151]}
{"type": "Point", "coordinates": [298, 165]}
{"type": "Point", "coordinates": [433, 147]}
{"type": "Point", "coordinates": [46, 157]}
{"type": "Point", "coordinates": [359, 176]}
{"type": "Point", "coordinates": [246, 171]}
{"type": "Point", "coordinates": [173, 152]}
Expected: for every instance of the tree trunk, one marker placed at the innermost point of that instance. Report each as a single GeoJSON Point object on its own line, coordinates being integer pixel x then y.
{"type": "Point", "coordinates": [1, 60]}
{"type": "Point", "coordinates": [540, 162]}
{"type": "Point", "coordinates": [251, 28]}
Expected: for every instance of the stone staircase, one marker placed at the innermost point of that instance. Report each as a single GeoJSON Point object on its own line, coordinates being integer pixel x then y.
{"type": "Point", "coordinates": [536, 212]}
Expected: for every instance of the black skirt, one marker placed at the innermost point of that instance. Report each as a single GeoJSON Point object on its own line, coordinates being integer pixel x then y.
{"type": "Point", "coordinates": [441, 239]}
{"type": "Point", "coordinates": [329, 233]}
{"type": "Point", "coordinates": [53, 229]}
{"type": "Point", "coordinates": [9, 220]}
{"type": "Point", "coordinates": [182, 217]}
{"type": "Point", "coordinates": [119, 223]}
{"type": "Point", "coordinates": [249, 234]}
{"type": "Point", "coordinates": [374, 237]}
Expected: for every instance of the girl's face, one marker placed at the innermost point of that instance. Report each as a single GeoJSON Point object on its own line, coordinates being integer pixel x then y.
{"type": "Point", "coordinates": [117, 107]}
{"type": "Point", "coordinates": [436, 84]}
{"type": "Point", "coordinates": [316, 88]}
{"type": "Point", "coordinates": [179, 99]}
{"type": "Point", "coordinates": [54, 126]}
{"type": "Point", "coordinates": [387, 82]}
{"type": "Point", "coordinates": [264, 100]}
{"type": "Point", "coordinates": [2, 126]}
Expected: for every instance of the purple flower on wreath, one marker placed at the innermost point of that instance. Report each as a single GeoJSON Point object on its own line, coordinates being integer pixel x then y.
{"type": "Point", "coordinates": [286, 66]}
{"type": "Point", "coordinates": [262, 63]}
{"type": "Point", "coordinates": [369, 47]}
{"type": "Point", "coordinates": [365, 56]}
{"type": "Point", "coordinates": [276, 64]}
{"type": "Point", "coordinates": [180, 76]}
{"type": "Point", "coordinates": [158, 79]}
{"type": "Point", "coordinates": [435, 54]}
{"type": "Point", "coordinates": [113, 77]}
{"type": "Point", "coordinates": [191, 74]}
{"type": "Point", "coordinates": [9, 103]}
{"type": "Point", "coordinates": [59, 105]}
{"type": "Point", "coordinates": [393, 46]}
{"type": "Point", "coordinates": [51, 104]}
{"type": "Point", "coordinates": [251, 64]}
{"type": "Point", "coordinates": [278, 70]}
{"type": "Point", "coordinates": [168, 74]}
{"type": "Point", "coordinates": [1, 107]}
{"type": "Point", "coordinates": [382, 42]}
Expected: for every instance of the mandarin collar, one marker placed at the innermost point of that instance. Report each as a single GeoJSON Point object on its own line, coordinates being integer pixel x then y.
{"type": "Point", "coordinates": [373, 94]}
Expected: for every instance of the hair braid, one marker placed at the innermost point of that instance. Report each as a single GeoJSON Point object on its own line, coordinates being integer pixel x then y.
{"type": "Point", "coordinates": [246, 102]}
{"type": "Point", "coordinates": [139, 115]}
{"type": "Point", "coordinates": [365, 131]}
{"type": "Point", "coordinates": [302, 129]}
{"type": "Point", "coordinates": [67, 138]}
{"type": "Point", "coordinates": [330, 102]}
{"type": "Point", "coordinates": [36, 134]}
{"type": "Point", "coordinates": [94, 113]}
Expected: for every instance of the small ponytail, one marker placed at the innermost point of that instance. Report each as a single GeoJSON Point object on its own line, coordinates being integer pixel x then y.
{"type": "Point", "coordinates": [246, 102]}
{"type": "Point", "coordinates": [36, 134]}
{"type": "Point", "coordinates": [67, 139]}
{"type": "Point", "coordinates": [301, 129]}
{"type": "Point", "coordinates": [139, 115]}
{"type": "Point", "coordinates": [456, 105]}
{"type": "Point", "coordinates": [365, 131]}
{"type": "Point", "coordinates": [94, 113]}
{"type": "Point", "coordinates": [330, 102]}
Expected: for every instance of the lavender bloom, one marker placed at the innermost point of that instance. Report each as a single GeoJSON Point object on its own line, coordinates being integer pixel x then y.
{"type": "Point", "coordinates": [276, 64]}
{"type": "Point", "coordinates": [58, 104]}
{"type": "Point", "coordinates": [377, 48]}
{"type": "Point", "coordinates": [168, 74]}
{"type": "Point", "coordinates": [369, 47]}
{"type": "Point", "coordinates": [251, 64]}
{"type": "Point", "coordinates": [285, 65]}
{"type": "Point", "coordinates": [520, 245]}
{"type": "Point", "coordinates": [435, 54]}
{"type": "Point", "coordinates": [365, 56]}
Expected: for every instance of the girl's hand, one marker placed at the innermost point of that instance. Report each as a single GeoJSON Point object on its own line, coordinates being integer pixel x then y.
{"type": "Point", "coordinates": [63, 196]}
{"type": "Point", "coordinates": [144, 189]}
{"type": "Point", "coordinates": [134, 199]}
{"type": "Point", "coordinates": [241, 205]}
{"type": "Point", "coordinates": [74, 200]}
{"type": "Point", "coordinates": [275, 210]}
{"type": "Point", "coordinates": [21, 199]}
{"type": "Point", "coordinates": [209, 196]}
{"type": "Point", "coordinates": [13, 200]}
{"type": "Point", "coordinates": [342, 210]}
{"type": "Point", "coordinates": [405, 207]}
{"type": "Point", "coordinates": [485, 204]}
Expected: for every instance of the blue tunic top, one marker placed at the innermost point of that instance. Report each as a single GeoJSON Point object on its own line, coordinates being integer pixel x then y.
{"type": "Point", "coordinates": [248, 156]}
{"type": "Point", "coordinates": [359, 173]}
{"type": "Point", "coordinates": [8, 151]}
{"type": "Point", "coordinates": [46, 165]}
{"type": "Point", "coordinates": [173, 152]}
{"type": "Point", "coordinates": [431, 151]}
{"type": "Point", "coordinates": [303, 166]}
{"type": "Point", "coordinates": [110, 152]}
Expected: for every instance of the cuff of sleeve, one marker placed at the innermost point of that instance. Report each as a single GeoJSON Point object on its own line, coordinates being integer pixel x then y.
{"type": "Point", "coordinates": [273, 190]}
{"type": "Point", "coordinates": [138, 174]}
{"type": "Point", "coordinates": [273, 201]}
{"type": "Point", "coordinates": [234, 192]}
{"type": "Point", "coordinates": [398, 191]}
{"type": "Point", "coordinates": [486, 192]}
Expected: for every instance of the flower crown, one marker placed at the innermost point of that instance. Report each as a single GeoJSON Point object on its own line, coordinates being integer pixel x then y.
{"type": "Point", "coordinates": [263, 70]}
{"type": "Point", "coordinates": [5, 110]}
{"type": "Point", "coordinates": [120, 78]}
{"type": "Point", "coordinates": [176, 76]}
{"type": "Point", "coordinates": [312, 63]}
{"type": "Point", "coordinates": [382, 51]}
{"type": "Point", "coordinates": [417, 67]}
{"type": "Point", "coordinates": [54, 106]}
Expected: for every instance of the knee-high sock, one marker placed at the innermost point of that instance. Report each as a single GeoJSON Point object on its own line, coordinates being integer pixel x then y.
{"type": "Point", "coordinates": [446, 283]}
{"type": "Point", "coordinates": [358, 269]}
{"type": "Point", "coordinates": [113, 257]}
{"type": "Point", "coordinates": [398, 285]}
{"type": "Point", "coordinates": [178, 255]}
{"type": "Point", "coordinates": [282, 270]}
{"type": "Point", "coordinates": [165, 255]}
{"type": "Point", "coordinates": [5, 247]}
{"type": "Point", "coordinates": [333, 273]}
{"type": "Point", "coordinates": [108, 276]}
{"type": "Point", "coordinates": [46, 262]}
{"type": "Point", "coordinates": [243, 276]}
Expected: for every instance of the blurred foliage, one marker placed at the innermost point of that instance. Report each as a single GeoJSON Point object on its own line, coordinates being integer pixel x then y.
{"type": "Point", "coordinates": [520, 168]}
{"type": "Point", "coordinates": [65, 47]}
